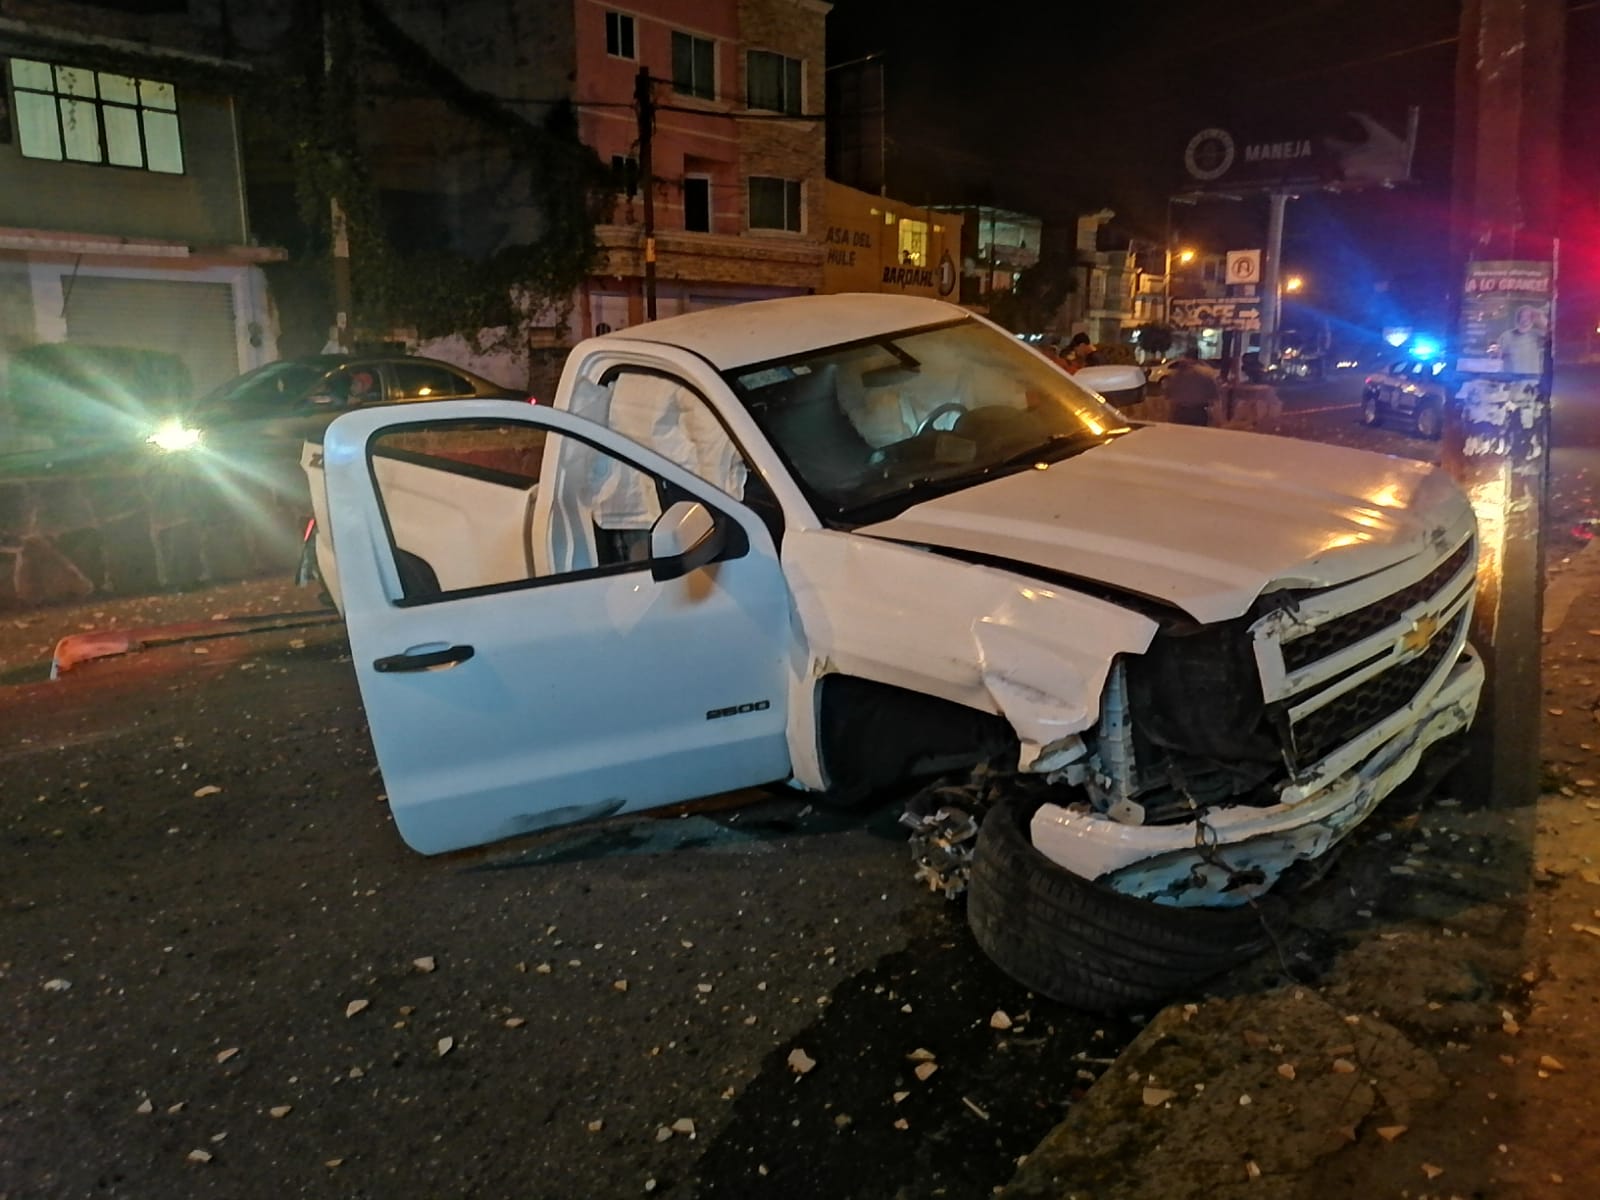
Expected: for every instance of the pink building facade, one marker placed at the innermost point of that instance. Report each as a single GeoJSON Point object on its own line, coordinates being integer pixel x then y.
{"type": "Point", "coordinates": [737, 151]}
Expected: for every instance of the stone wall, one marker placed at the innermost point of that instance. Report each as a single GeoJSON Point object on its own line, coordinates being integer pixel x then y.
{"type": "Point", "coordinates": [129, 525]}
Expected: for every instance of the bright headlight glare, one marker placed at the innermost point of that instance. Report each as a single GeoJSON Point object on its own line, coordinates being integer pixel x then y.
{"type": "Point", "coordinates": [173, 436]}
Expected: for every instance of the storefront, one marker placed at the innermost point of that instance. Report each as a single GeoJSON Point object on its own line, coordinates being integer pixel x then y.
{"type": "Point", "coordinates": [875, 244]}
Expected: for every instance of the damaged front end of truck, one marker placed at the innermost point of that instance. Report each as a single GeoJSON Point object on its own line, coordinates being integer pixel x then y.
{"type": "Point", "coordinates": [1222, 755]}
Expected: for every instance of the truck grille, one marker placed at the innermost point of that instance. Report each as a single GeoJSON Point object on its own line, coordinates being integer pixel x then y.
{"type": "Point", "coordinates": [1333, 636]}
{"type": "Point", "coordinates": [1358, 710]}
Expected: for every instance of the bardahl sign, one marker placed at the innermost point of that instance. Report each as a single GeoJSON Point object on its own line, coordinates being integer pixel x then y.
{"type": "Point", "coordinates": [1353, 152]}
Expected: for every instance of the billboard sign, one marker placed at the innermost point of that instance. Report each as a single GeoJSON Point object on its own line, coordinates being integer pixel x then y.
{"type": "Point", "coordinates": [1352, 151]}
{"type": "Point", "coordinates": [1505, 317]}
{"type": "Point", "coordinates": [1231, 312]}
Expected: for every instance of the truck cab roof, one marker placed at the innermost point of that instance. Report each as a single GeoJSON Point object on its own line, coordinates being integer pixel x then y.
{"type": "Point", "coordinates": [738, 336]}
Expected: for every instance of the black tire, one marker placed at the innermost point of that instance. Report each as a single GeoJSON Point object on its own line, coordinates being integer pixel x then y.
{"type": "Point", "coordinates": [1079, 942]}
{"type": "Point", "coordinates": [1430, 420]}
{"type": "Point", "coordinates": [1371, 410]}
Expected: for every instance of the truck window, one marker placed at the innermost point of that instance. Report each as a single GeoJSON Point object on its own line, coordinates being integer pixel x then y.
{"type": "Point", "coordinates": [672, 419]}
{"type": "Point", "coordinates": [870, 427]}
{"type": "Point", "coordinates": [425, 381]}
{"type": "Point", "coordinates": [479, 505]}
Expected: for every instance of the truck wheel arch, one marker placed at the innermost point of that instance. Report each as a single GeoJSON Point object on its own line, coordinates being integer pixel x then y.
{"type": "Point", "coordinates": [871, 735]}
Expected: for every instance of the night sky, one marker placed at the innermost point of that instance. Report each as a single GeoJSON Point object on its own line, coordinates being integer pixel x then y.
{"type": "Point", "coordinates": [1058, 110]}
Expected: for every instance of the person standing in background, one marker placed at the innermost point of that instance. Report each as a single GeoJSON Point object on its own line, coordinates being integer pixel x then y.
{"type": "Point", "coordinates": [1191, 389]}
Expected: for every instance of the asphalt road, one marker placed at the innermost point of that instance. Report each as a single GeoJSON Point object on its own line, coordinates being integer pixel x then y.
{"type": "Point", "coordinates": [224, 975]}
{"type": "Point", "coordinates": [208, 920]}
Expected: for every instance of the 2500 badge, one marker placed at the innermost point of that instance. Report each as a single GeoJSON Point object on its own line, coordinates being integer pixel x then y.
{"type": "Point", "coordinates": [738, 710]}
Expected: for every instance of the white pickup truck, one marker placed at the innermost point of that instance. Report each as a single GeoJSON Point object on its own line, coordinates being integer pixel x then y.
{"type": "Point", "coordinates": [848, 541]}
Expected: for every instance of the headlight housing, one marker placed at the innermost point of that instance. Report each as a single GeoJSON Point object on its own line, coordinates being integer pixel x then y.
{"type": "Point", "coordinates": [174, 436]}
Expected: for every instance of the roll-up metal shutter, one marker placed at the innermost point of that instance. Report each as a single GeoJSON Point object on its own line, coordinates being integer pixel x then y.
{"type": "Point", "coordinates": [195, 321]}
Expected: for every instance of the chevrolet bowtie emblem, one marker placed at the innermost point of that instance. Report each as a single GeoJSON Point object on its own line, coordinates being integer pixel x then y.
{"type": "Point", "coordinates": [1420, 634]}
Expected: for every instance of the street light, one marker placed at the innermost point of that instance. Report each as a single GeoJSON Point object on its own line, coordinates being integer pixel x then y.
{"type": "Point", "coordinates": [1293, 284]}
{"type": "Point", "coordinates": [1186, 256]}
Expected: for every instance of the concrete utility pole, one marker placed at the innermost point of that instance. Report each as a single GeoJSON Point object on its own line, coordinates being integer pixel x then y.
{"type": "Point", "coordinates": [1272, 277]}
{"type": "Point", "coordinates": [645, 102]}
{"type": "Point", "coordinates": [1496, 438]}
{"type": "Point", "coordinates": [334, 41]}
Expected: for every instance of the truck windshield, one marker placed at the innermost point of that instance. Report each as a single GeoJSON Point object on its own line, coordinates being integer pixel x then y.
{"type": "Point", "coordinates": [866, 424]}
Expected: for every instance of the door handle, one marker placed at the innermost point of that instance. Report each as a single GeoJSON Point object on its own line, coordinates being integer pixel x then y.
{"type": "Point", "coordinates": [447, 657]}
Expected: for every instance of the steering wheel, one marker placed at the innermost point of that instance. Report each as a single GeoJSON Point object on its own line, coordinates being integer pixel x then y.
{"type": "Point", "coordinates": [949, 406]}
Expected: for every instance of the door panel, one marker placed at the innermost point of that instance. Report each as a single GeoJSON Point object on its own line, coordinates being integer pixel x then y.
{"type": "Point", "coordinates": [562, 694]}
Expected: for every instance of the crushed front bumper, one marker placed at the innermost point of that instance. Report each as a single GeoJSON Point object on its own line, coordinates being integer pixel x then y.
{"type": "Point", "coordinates": [1237, 852]}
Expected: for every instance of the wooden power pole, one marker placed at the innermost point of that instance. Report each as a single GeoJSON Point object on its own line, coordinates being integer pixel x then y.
{"type": "Point", "coordinates": [1496, 438]}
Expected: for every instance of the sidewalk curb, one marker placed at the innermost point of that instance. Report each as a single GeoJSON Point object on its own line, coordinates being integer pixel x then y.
{"type": "Point", "coordinates": [78, 648]}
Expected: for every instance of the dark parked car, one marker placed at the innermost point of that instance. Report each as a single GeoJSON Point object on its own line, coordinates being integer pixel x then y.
{"type": "Point", "coordinates": [295, 397]}
{"type": "Point", "coordinates": [244, 438]}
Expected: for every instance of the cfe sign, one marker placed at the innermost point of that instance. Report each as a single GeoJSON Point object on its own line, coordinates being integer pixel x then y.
{"type": "Point", "coordinates": [1244, 266]}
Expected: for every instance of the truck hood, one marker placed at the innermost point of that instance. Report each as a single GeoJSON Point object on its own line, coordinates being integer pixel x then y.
{"type": "Point", "coordinates": [1201, 519]}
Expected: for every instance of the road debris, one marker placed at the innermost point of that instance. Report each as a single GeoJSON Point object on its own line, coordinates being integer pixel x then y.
{"type": "Point", "coordinates": [199, 1156]}
{"type": "Point", "coordinates": [224, 1055]}
{"type": "Point", "coordinates": [425, 964]}
{"type": "Point", "coordinates": [210, 789]}
{"type": "Point", "coordinates": [445, 1045]}
{"type": "Point", "coordinates": [1155, 1097]}
{"type": "Point", "coordinates": [356, 1006]}
{"type": "Point", "coordinates": [999, 1020]}
{"type": "Point", "coordinates": [800, 1062]}
{"type": "Point", "coordinates": [924, 1071]}
{"type": "Point", "coordinates": [279, 1111]}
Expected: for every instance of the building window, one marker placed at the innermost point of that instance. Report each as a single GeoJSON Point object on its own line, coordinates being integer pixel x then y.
{"type": "Point", "coordinates": [625, 174]}
{"type": "Point", "coordinates": [694, 66]}
{"type": "Point", "coordinates": [774, 203]}
{"type": "Point", "coordinates": [697, 204]}
{"type": "Point", "coordinates": [913, 243]}
{"type": "Point", "coordinates": [619, 35]}
{"type": "Point", "coordinates": [772, 81]}
{"type": "Point", "coordinates": [77, 115]}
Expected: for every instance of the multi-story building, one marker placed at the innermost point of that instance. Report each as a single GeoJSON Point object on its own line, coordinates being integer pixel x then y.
{"type": "Point", "coordinates": [122, 215]}
{"type": "Point", "coordinates": [736, 87]}
{"type": "Point", "coordinates": [997, 245]}
{"type": "Point", "coordinates": [737, 150]}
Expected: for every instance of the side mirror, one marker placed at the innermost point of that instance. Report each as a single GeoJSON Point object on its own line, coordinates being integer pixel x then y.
{"type": "Point", "coordinates": [685, 538]}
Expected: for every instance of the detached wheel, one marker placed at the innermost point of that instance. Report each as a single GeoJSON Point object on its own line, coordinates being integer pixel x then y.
{"type": "Point", "coordinates": [1081, 943]}
{"type": "Point", "coordinates": [1430, 421]}
{"type": "Point", "coordinates": [1371, 411]}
